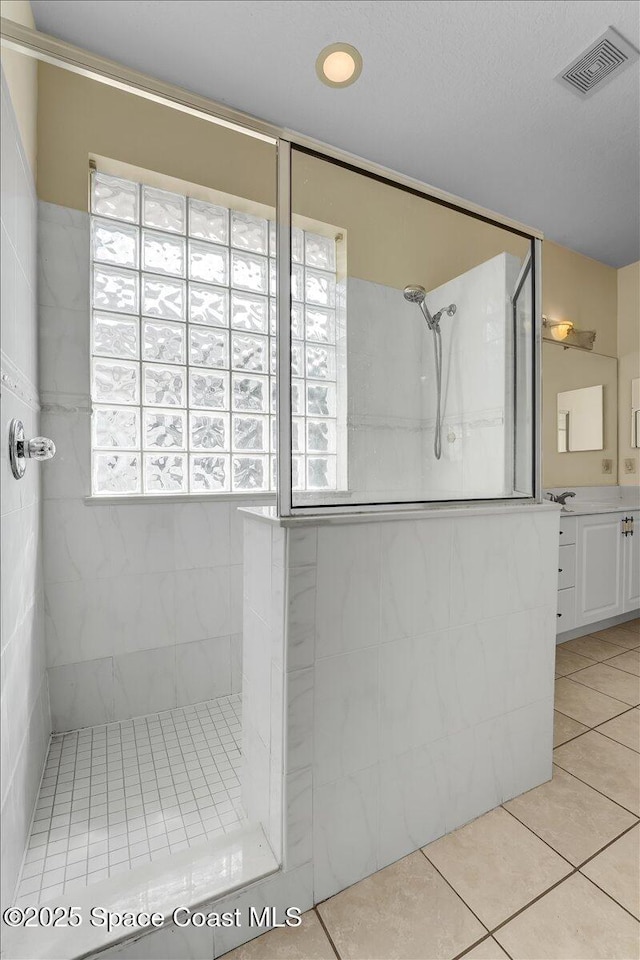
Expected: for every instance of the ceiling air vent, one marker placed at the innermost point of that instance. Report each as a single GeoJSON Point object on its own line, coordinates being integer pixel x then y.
{"type": "Point", "coordinates": [605, 58]}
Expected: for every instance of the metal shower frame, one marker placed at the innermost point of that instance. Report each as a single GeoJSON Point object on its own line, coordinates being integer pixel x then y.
{"type": "Point", "coordinates": [69, 57]}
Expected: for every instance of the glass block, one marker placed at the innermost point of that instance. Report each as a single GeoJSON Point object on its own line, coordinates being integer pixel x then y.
{"type": "Point", "coordinates": [163, 254]}
{"type": "Point", "coordinates": [297, 244]}
{"type": "Point", "coordinates": [249, 272]}
{"type": "Point", "coordinates": [250, 393]}
{"type": "Point", "coordinates": [208, 262]}
{"type": "Point", "coordinates": [115, 289]}
{"type": "Point", "coordinates": [165, 473]}
{"type": "Point", "coordinates": [164, 386]}
{"type": "Point", "coordinates": [273, 356]}
{"type": "Point", "coordinates": [273, 472]}
{"type": "Point", "coordinates": [115, 381]}
{"type": "Point", "coordinates": [273, 278]}
{"type": "Point", "coordinates": [115, 336]}
{"type": "Point", "coordinates": [209, 305]}
{"type": "Point", "coordinates": [115, 473]}
{"type": "Point", "coordinates": [249, 312]}
{"type": "Point", "coordinates": [249, 233]}
{"type": "Point", "coordinates": [273, 434]}
{"type": "Point", "coordinates": [320, 251]}
{"type": "Point", "coordinates": [208, 222]}
{"type": "Point", "coordinates": [163, 341]}
{"type": "Point", "coordinates": [320, 362]}
{"type": "Point", "coordinates": [250, 433]}
{"type": "Point", "coordinates": [297, 366]}
{"type": "Point", "coordinates": [165, 429]}
{"type": "Point", "coordinates": [297, 396]}
{"type": "Point", "coordinates": [209, 473]}
{"type": "Point", "coordinates": [250, 473]}
{"type": "Point", "coordinates": [208, 348]}
{"type": "Point", "coordinates": [112, 197]}
{"type": "Point", "coordinates": [297, 434]}
{"type": "Point", "coordinates": [297, 282]}
{"type": "Point", "coordinates": [297, 320]}
{"type": "Point", "coordinates": [320, 324]}
{"type": "Point", "coordinates": [116, 427]}
{"type": "Point", "coordinates": [115, 243]}
{"type": "Point", "coordinates": [320, 288]}
{"type": "Point", "coordinates": [273, 316]}
{"type": "Point", "coordinates": [297, 473]}
{"type": "Point", "coordinates": [164, 210]}
{"type": "Point", "coordinates": [321, 436]}
{"type": "Point", "coordinates": [209, 431]}
{"type": "Point", "coordinates": [321, 400]}
{"type": "Point", "coordinates": [321, 473]}
{"type": "Point", "coordinates": [249, 353]}
{"type": "Point", "coordinates": [209, 390]}
{"type": "Point", "coordinates": [163, 297]}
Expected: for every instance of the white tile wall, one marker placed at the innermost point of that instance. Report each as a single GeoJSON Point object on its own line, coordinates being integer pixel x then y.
{"type": "Point", "coordinates": [263, 678]}
{"type": "Point", "coordinates": [165, 579]}
{"type": "Point", "coordinates": [439, 708]}
{"type": "Point", "coordinates": [25, 724]}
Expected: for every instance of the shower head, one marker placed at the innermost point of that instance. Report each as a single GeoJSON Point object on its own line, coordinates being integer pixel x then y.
{"type": "Point", "coordinates": [414, 293]}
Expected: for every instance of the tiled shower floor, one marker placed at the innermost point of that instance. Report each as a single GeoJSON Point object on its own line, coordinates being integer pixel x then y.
{"type": "Point", "coordinates": [122, 794]}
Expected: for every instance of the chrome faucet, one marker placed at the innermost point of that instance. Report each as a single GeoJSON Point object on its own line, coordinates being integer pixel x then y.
{"type": "Point", "coordinates": [561, 497]}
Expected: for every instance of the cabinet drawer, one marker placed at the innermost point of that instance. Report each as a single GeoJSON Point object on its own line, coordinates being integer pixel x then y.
{"type": "Point", "coordinates": [566, 566]}
{"type": "Point", "coordinates": [567, 529]}
{"type": "Point", "coordinates": [566, 613]}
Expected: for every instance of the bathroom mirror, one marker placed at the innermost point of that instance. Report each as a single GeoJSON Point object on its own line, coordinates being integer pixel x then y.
{"type": "Point", "coordinates": [580, 421]}
{"type": "Point", "coordinates": [579, 417]}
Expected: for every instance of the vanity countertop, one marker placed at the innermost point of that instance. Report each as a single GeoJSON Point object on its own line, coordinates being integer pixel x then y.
{"type": "Point", "coordinates": [583, 508]}
{"type": "Point", "coordinates": [593, 500]}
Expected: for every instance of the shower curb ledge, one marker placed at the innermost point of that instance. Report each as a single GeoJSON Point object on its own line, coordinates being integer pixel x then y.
{"type": "Point", "coordinates": [191, 878]}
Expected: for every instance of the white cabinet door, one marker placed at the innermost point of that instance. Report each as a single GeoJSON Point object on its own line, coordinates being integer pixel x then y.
{"type": "Point", "coordinates": [631, 548]}
{"type": "Point", "coordinates": [599, 575]}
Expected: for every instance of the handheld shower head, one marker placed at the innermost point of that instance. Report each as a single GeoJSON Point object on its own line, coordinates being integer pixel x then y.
{"type": "Point", "coordinates": [414, 293]}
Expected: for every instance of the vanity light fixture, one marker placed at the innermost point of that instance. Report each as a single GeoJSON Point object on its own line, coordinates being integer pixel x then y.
{"type": "Point", "coordinates": [565, 333]}
{"type": "Point", "coordinates": [339, 65]}
{"type": "Point", "coordinates": [559, 329]}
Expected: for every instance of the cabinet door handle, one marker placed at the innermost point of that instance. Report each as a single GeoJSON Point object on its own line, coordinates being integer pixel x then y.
{"type": "Point", "coordinates": [558, 615]}
{"type": "Point", "coordinates": [559, 569]}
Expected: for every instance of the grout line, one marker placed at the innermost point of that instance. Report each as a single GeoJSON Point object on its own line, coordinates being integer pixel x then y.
{"type": "Point", "coordinates": [537, 835]}
{"type": "Point", "coordinates": [610, 896]}
{"type": "Point", "coordinates": [609, 844]}
{"type": "Point", "coordinates": [592, 855]}
{"type": "Point", "coordinates": [582, 684]}
{"type": "Point", "coordinates": [531, 903]}
{"type": "Point", "coordinates": [324, 927]}
{"type": "Point", "coordinates": [432, 864]}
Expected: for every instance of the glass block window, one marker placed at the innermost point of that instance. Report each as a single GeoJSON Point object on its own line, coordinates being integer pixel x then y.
{"type": "Point", "coordinates": [184, 350]}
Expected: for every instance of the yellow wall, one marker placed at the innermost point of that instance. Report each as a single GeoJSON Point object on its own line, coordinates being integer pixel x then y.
{"type": "Point", "coordinates": [568, 370]}
{"type": "Point", "coordinates": [629, 364]}
{"type": "Point", "coordinates": [584, 291]}
{"type": "Point", "coordinates": [21, 73]}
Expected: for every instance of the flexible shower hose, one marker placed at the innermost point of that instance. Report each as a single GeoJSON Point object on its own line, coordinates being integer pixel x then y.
{"type": "Point", "coordinates": [437, 345]}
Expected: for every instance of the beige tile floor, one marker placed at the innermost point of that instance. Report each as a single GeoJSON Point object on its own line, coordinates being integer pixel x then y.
{"type": "Point", "coordinates": [551, 875]}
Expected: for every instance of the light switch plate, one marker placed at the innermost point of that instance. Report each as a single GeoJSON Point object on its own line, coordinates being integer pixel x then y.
{"type": "Point", "coordinates": [629, 465]}
{"type": "Point", "coordinates": [607, 466]}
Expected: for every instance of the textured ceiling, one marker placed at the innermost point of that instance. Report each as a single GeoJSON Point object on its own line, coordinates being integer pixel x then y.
{"type": "Point", "coordinates": [459, 94]}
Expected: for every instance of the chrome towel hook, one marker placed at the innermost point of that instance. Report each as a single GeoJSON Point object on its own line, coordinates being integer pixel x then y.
{"type": "Point", "coordinates": [39, 448]}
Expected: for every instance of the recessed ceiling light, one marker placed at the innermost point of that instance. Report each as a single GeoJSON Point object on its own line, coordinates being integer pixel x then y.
{"type": "Point", "coordinates": [339, 65]}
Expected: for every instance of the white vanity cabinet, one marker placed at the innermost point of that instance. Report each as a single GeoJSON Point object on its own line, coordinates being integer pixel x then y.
{"type": "Point", "coordinates": [606, 566]}
{"type": "Point", "coordinates": [631, 587]}
{"type": "Point", "coordinates": [598, 568]}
